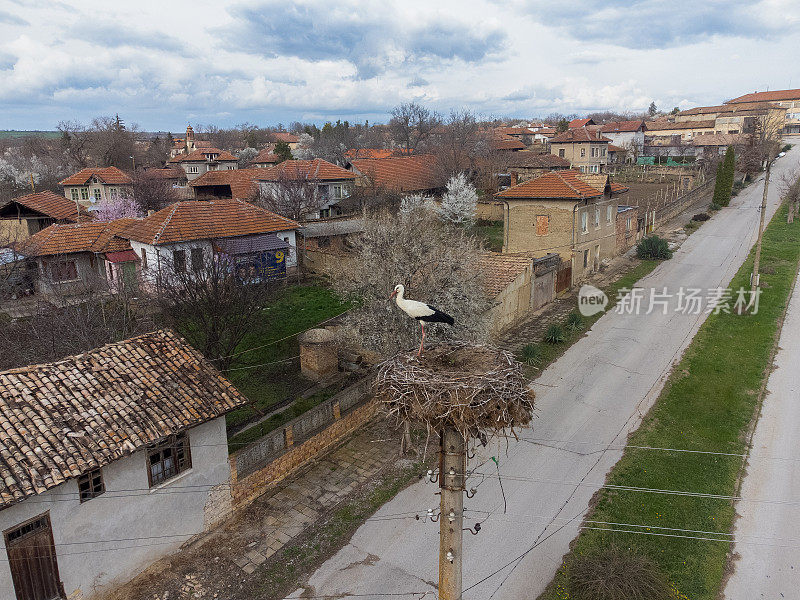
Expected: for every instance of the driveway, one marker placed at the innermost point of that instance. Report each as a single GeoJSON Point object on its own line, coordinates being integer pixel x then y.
{"type": "Point", "coordinates": [588, 401]}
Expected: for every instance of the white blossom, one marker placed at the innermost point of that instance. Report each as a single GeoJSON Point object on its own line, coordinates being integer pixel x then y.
{"type": "Point", "coordinates": [459, 202]}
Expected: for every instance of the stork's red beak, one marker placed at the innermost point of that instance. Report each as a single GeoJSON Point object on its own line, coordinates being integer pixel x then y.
{"type": "Point", "coordinates": [393, 294]}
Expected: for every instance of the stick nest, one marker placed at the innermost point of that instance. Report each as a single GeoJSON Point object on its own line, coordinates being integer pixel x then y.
{"type": "Point", "coordinates": [478, 389]}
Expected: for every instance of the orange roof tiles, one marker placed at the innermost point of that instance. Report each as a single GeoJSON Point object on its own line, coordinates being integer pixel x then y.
{"type": "Point", "coordinates": [312, 170]}
{"type": "Point", "coordinates": [767, 96]}
{"type": "Point", "coordinates": [530, 160]}
{"type": "Point", "coordinates": [108, 175]}
{"type": "Point", "coordinates": [77, 237]}
{"type": "Point", "coordinates": [206, 219]}
{"type": "Point", "coordinates": [501, 141]}
{"type": "Point", "coordinates": [613, 148]}
{"type": "Point", "coordinates": [243, 183]}
{"type": "Point", "coordinates": [375, 152]}
{"type": "Point", "coordinates": [580, 123]}
{"type": "Point", "coordinates": [267, 156]}
{"type": "Point", "coordinates": [401, 174]}
{"type": "Point", "coordinates": [282, 136]}
{"type": "Point", "coordinates": [62, 419]}
{"type": "Point", "coordinates": [578, 135]}
{"type": "Point", "coordinates": [662, 125]}
{"type": "Point", "coordinates": [499, 270]}
{"type": "Point", "coordinates": [203, 154]}
{"type": "Point", "coordinates": [557, 185]}
{"type": "Point", "coordinates": [622, 126]}
{"type": "Point", "coordinates": [52, 205]}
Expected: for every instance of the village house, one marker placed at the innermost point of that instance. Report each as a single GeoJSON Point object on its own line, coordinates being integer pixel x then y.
{"type": "Point", "coordinates": [629, 229]}
{"type": "Point", "coordinates": [240, 184]}
{"type": "Point", "coordinates": [95, 447]}
{"type": "Point", "coordinates": [685, 130]}
{"type": "Point", "coordinates": [78, 258]}
{"type": "Point", "coordinates": [290, 138]}
{"type": "Point", "coordinates": [184, 236]}
{"type": "Point", "coordinates": [93, 184]}
{"type": "Point", "coordinates": [188, 144]}
{"type": "Point", "coordinates": [586, 150]}
{"type": "Point", "coordinates": [502, 142]}
{"type": "Point", "coordinates": [26, 215]}
{"type": "Point", "coordinates": [400, 174]}
{"type": "Point", "coordinates": [743, 117]}
{"type": "Point", "coordinates": [204, 160]}
{"type": "Point", "coordinates": [578, 123]}
{"type": "Point", "coordinates": [789, 100]}
{"type": "Point", "coordinates": [173, 176]}
{"type": "Point", "coordinates": [625, 134]}
{"type": "Point", "coordinates": [266, 158]}
{"type": "Point", "coordinates": [522, 166]}
{"type": "Point", "coordinates": [564, 212]}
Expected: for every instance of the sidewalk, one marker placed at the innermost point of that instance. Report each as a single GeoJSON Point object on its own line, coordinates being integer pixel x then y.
{"type": "Point", "coordinates": [230, 563]}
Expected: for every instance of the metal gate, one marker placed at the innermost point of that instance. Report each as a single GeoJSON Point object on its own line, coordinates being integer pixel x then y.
{"type": "Point", "coordinates": [564, 278]}
{"type": "Point", "coordinates": [32, 559]}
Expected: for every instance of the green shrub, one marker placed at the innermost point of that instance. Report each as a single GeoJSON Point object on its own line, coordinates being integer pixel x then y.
{"type": "Point", "coordinates": [574, 321]}
{"type": "Point", "coordinates": [531, 354]}
{"type": "Point", "coordinates": [653, 248]}
{"type": "Point", "coordinates": [554, 334]}
{"type": "Point", "coordinates": [615, 574]}
{"type": "Point", "coordinates": [714, 206]}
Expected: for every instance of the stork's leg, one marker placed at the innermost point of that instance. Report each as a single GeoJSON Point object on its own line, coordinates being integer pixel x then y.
{"type": "Point", "coordinates": [419, 352]}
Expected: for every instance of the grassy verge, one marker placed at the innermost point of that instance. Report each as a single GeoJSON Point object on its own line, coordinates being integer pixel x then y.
{"type": "Point", "coordinates": [491, 232]}
{"type": "Point", "coordinates": [298, 308]}
{"type": "Point", "coordinates": [545, 353]}
{"type": "Point", "coordinates": [707, 404]}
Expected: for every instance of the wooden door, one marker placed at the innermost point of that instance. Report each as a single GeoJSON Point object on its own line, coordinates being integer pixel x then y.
{"type": "Point", "coordinates": [564, 278]}
{"type": "Point", "coordinates": [32, 558]}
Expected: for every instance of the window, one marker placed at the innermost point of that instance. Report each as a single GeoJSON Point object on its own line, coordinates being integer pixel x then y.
{"type": "Point", "coordinates": [169, 459]}
{"type": "Point", "coordinates": [594, 152]}
{"type": "Point", "coordinates": [561, 153]}
{"type": "Point", "coordinates": [584, 221]}
{"type": "Point", "coordinates": [628, 224]}
{"type": "Point", "coordinates": [191, 169]}
{"type": "Point", "coordinates": [90, 485]}
{"type": "Point", "coordinates": [609, 211]}
{"type": "Point", "coordinates": [64, 271]}
{"type": "Point", "coordinates": [542, 224]}
{"type": "Point", "coordinates": [325, 212]}
{"type": "Point", "coordinates": [179, 260]}
{"type": "Point", "coordinates": [231, 167]}
{"type": "Point", "coordinates": [114, 193]}
{"type": "Point", "coordinates": [84, 193]}
{"type": "Point", "coordinates": [602, 152]}
{"type": "Point", "coordinates": [583, 169]}
{"type": "Point", "coordinates": [583, 152]}
{"type": "Point", "coordinates": [585, 258]}
{"type": "Point", "coordinates": [98, 194]}
{"type": "Point", "coordinates": [197, 259]}
{"type": "Point", "coordinates": [339, 191]}
{"type": "Point", "coordinates": [74, 192]}
{"type": "Point", "coordinates": [597, 217]}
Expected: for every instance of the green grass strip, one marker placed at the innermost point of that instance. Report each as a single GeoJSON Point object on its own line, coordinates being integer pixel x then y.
{"type": "Point", "coordinates": [708, 403]}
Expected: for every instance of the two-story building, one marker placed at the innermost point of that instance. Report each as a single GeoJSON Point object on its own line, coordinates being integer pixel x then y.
{"type": "Point", "coordinates": [93, 184]}
{"type": "Point", "coordinates": [789, 100]}
{"type": "Point", "coordinates": [97, 450]}
{"type": "Point", "coordinates": [400, 174]}
{"type": "Point", "coordinates": [26, 215]}
{"type": "Point", "coordinates": [569, 213]}
{"type": "Point", "coordinates": [204, 160]}
{"type": "Point", "coordinates": [585, 149]}
{"type": "Point", "coordinates": [626, 134]}
{"type": "Point", "coordinates": [186, 235]}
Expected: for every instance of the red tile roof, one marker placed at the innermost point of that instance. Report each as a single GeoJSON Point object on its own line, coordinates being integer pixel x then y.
{"type": "Point", "coordinates": [289, 138]}
{"type": "Point", "coordinates": [499, 270]}
{"type": "Point", "coordinates": [557, 185]}
{"type": "Point", "coordinates": [613, 148]}
{"type": "Point", "coordinates": [663, 125]}
{"type": "Point", "coordinates": [266, 156]}
{"type": "Point", "coordinates": [401, 174]}
{"type": "Point", "coordinates": [620, 126]}
{"type": "Point", "coordinates": [737, 108]}
{"type": "Point", "coordinates": [580, 123]}
{"type": "Point", "coordinates": [501, 141]}
{"type": "Point", "coordinates": [77, 237]}
{"type": "Point", "coordinates": [375, 152]}
{"type": "Point", "coordinates": [63, 419]}
{"type": "Point", "coordinates": [578, 135]}
{"type": "Point", "coordinates": [167, 173]}
{"type": "Point", "coordinates": [531, 160]}
{"type": "Point", "coordinates": [514, 130]}
{"type": "Point", "coordinates": [109, 175]}
{"type": "Point", "coordinates": [767, 96]}
{"type": "Point", "coordinates": [52, 205]}
{"type": "Point", "coordinates": [202, 154]}
{"type": "Point", "coordinates": [618, 188]}
{"type": "Point", "coordinates": [311, 170]}
{"type": "Point", "coordinates": [243, 183]}
{"type": "Point", "coordinates": [206, 219]}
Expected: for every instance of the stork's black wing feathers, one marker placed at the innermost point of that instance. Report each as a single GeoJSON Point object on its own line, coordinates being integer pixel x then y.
{"type": "Point", "coordinates": [437, 317]}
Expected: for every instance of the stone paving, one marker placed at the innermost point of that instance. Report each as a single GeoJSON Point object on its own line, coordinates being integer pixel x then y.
{"type": "Point", "coordinates": [297, 502]}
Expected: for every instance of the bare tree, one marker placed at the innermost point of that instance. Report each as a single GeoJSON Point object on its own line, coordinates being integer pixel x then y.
{"type": "Point", "coordinates": [112, 143]}
{"type": "Point", "coordinates": [412, 124]}
{"type": "Point", "coordinates": [213, 304]}
{"type": "Point", "coordinates": [438, 267]}
{"type": "Point", "coordinates": [761, 143]}
{"type": "Point", "coordinates": [292, 195]}
{"type": "Point", "coordinates": [75, 142]}
{"type": "Point", "coordinates": [152, 192]}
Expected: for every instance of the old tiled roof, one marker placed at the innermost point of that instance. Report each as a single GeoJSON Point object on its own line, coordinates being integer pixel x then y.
{"type": "Point", "coordinates": [514, 130]}
{"type": "Point", "coordinates": [201, 155]}
{"type": "Point", "coordinates": [620, 126]}
{"type": "Point", "coordinates": [311, 170]}
{"type": "Point", "coordinates": [205, 219]}
{"type": "Point", "coordinates": [68, 238]}
{"type": "Point", "coordinates": [375, 152]}
{"type": "Point", "coordinates": [580, 123]}
{"type": "Point", "coordinates": [289, 138]}
{"type": "Point", "coordinates": [52, 205]}
{"type": "Point", "coordinates": [578, 134]}
{"type": "Point", "coordinates": [613, 148]}
{"type": "Point", "coordinates": [109, 175]}
{"type": "Point", "coordinates": [663, 125]}
{"type": "Point", "coordinates": [618, 188]}
{"type": "Point", "coordinates": [719, 139]}
{"type": "Point", "coordinates": [558, 185]}
{"type": "Point", "coordinates": [243, 183]}
{"type": "Point", "coordinates": [401, 174]}
{"type": "Point", "coordinates": [501, 141]}
{"type": "Point", "coordinates": [267, 156]}
{"type": "Point", "coordinates": [167, 173]}
{"type": "Point", "coordinates": [547, 131]}
{"type": "Point", "coordinates": [499, 270]}
{"type": "Point", "coordinates": [531, 160]}
{"type": "Point", "coordinates": [767, 96]}
{"type": "Point", "coordinates": [744, 107]}
{"type": "Point", "coordinates": [62, 419]}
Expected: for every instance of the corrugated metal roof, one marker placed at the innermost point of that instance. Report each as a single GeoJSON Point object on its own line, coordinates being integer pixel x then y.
{"type": "Point", "coordinates": [251, 244]}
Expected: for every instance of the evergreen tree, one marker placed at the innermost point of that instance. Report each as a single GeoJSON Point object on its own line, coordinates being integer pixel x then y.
{"type": "Point", "coordinates": [652, 110]}
{"type": "Point", "coordinates": [719, 184]}
{"type": "Point", "coordinates": [729, 166]}
{"type": "Point", "coordinates": [283, 151]}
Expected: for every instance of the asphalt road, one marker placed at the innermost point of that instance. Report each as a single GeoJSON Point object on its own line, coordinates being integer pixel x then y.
{"type": "Point", "coordinates": [588, 401]}
{"type": "Point", "coordinates": [768, 534]}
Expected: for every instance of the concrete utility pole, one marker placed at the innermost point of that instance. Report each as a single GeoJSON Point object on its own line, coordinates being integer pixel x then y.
{"type": "Point", "coordinates": [453, 462]}
{"type": "Point", "coordinates": [757, 260]}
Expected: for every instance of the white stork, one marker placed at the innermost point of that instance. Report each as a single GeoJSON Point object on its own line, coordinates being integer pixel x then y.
{"type": "Point", "coordinates": [424, 313]}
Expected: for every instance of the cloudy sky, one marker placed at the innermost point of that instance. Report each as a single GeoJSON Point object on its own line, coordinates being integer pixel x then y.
{"type": "Point", "coordinates": [163, 64]}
